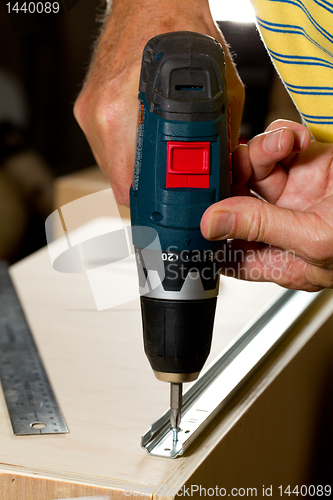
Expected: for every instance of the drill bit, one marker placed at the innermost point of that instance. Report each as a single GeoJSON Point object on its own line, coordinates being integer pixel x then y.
{"type": "Point", "coordinates": [176, 399]}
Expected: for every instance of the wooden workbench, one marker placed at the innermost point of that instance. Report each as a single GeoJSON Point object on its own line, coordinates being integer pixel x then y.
{"type": "Point", "coordinates": [109, 397]}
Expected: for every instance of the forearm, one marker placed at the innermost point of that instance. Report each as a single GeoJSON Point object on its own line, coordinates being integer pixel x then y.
{"type": "Point", "coordinates": [164, 12]}
{"type": "Point", "coordinates": [131, 24]}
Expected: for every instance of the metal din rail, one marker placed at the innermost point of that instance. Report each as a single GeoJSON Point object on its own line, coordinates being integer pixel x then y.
{"type": "Point", "coordinates": [30, 400]}
{"type": "Point", "coordinates": [206, 397]}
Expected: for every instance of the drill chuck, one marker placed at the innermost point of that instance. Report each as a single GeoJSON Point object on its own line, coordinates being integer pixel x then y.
{"type": "Point", "coordinates": [177, 336]}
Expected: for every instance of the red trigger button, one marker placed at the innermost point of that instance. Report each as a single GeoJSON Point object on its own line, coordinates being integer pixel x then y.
{"type": "Point", "coordinates": [188, 164]}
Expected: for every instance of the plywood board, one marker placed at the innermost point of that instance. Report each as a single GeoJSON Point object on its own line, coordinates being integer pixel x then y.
{"type": "Point", "coordinates": [102, 380]}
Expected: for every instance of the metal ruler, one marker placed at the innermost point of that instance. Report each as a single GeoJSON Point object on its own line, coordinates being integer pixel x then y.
{"type": "Point", "coordinates": [30, 400]}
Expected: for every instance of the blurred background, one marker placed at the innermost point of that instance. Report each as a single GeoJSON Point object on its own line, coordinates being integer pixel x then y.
{"type": "Point", "coordinates": [41, 71]}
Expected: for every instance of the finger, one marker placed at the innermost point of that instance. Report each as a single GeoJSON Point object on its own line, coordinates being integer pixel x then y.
{"type": "Point", "coordinates": [251, 219]}
{"type": "Point", "coordinates": [265, 152]}
{"type": "Point", "coordinates": [267, 149]}
{"type": "Point", "coordinates": [301, 131]}
{"type": "Point", "coordinates": [268, 153]}
{"type": "Point", "coordinates": [302, 138]}
{"type": "Point", "coordinates": [257, 262]}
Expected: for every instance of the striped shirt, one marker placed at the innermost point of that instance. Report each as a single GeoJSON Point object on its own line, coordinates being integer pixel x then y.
{"type": "Point", "coordinates": [299, 37]}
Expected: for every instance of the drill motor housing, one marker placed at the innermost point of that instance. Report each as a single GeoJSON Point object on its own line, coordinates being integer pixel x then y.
{"type": "Point", "coordinates": [182, 166]}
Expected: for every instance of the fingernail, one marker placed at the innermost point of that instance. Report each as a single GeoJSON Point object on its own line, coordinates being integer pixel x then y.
{"type": "Point", "coordinates": [221, 224]}
{"type": "Point", "coordinates": [299, 139]}
{"type": "Point", "coordinates": [272, 142]}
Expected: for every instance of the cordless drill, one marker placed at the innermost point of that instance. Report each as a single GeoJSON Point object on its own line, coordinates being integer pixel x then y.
{"type": "Point", "coordinates": [182, 166]}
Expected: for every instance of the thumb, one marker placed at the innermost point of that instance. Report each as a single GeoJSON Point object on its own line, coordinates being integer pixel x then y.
{"type": "Point", "coordinates": [251, 219]}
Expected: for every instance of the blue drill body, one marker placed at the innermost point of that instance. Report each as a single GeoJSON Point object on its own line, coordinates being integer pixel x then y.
{"type": "Point", "coordinates": [182, 166]}
{"type": "Point", "coordinates": [175, 213]}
